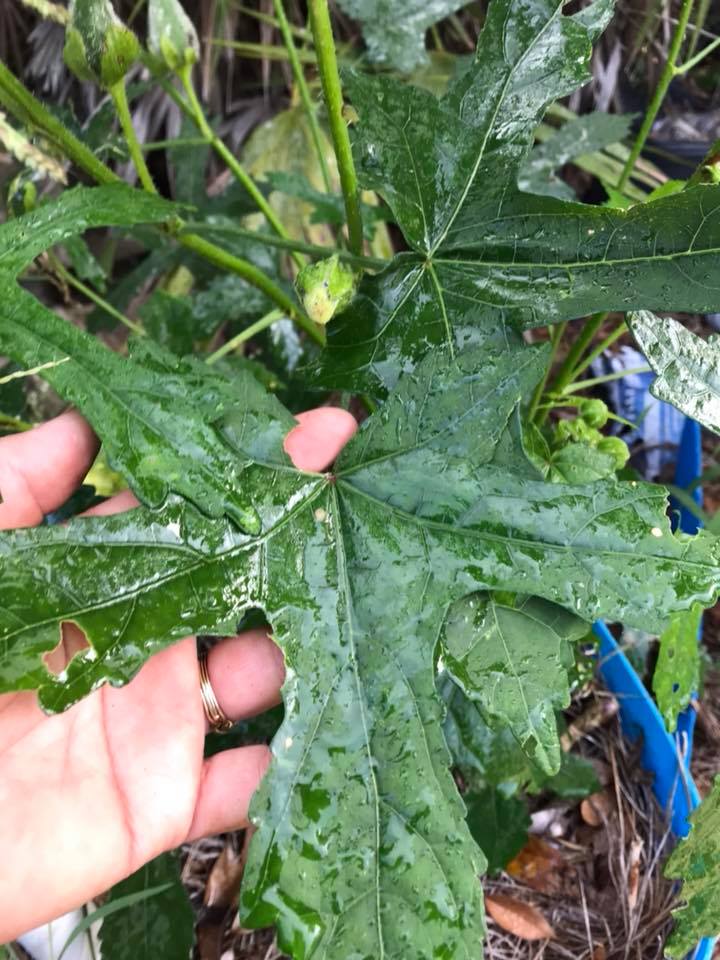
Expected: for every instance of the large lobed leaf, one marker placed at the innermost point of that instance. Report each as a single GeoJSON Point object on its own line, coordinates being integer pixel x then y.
{"type": "Point", "coordinates": [483, 256]}
{"type": "Point", "coordinates": [361, 842]}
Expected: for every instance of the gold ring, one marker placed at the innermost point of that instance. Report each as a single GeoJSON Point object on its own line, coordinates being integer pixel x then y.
{"type": "Point", "coordinates": [216, 717]}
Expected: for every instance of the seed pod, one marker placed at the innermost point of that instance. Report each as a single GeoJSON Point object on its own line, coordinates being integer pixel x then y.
{"type": "Point", "coordinates": [99, 47]}
{"type": "Point", "coordinates": [172, 38]}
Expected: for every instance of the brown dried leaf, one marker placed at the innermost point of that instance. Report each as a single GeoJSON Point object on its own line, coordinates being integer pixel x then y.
{"type": "Point", "coordinates": [520, 919]}
{"type": "Point", "coordinates": [539, 865]}
{"type": "Point", "coordinates": [596, 809]}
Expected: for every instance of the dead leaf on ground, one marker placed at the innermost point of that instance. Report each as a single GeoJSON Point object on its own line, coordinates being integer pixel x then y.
{"type": "Point", "coordinates": [539, 865]}
{"type": "Point", "coordinates": [521, 919]}
{"type": "Point", "coordinates": [596, 809]}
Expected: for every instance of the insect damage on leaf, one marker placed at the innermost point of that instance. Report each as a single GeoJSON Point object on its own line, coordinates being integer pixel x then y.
{"type": "Point", "coordinates": [361, 842]}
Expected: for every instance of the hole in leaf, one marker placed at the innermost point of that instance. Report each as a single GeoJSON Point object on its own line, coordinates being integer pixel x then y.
{"type": "Point", "coordinates": [675, 687]}
{"type": "Point", "coordinates": [72, 642]}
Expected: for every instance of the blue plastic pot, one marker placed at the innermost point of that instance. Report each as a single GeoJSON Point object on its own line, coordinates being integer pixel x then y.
{"type": "Point", "coordinates": [666, 757]}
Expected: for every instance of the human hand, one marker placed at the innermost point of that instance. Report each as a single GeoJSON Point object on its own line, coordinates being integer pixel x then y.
{"type": "Point", "coordinates": [90, 795]}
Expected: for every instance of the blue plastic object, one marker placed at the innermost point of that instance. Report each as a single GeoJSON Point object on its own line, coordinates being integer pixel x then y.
{"type": "Point", "coordinates": [665, 756]}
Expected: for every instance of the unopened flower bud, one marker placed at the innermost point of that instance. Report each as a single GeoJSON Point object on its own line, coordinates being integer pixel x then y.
{"type": "Point", "coordinates": [172, 38]}
{"type": "Point", "coordinates": [99, 47]}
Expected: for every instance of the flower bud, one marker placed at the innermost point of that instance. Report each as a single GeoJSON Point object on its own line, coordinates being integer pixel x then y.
{"type": "Point", "coordinates": [98, 46]}
{"type": "Point", "coordinates": [172, 38]}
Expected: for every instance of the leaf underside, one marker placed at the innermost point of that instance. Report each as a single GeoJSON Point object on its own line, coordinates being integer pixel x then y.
{"type": "Point", "coordinates": [687, 367]}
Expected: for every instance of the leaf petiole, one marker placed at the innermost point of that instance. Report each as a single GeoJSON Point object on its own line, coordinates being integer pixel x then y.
{"type": "Point", "coordinates": [330, 80]}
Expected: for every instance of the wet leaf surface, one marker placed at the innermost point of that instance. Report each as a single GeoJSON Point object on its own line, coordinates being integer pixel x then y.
{"type": "Point", "coordinates": [361, 839]}
{"type": "Point", "coordinates": [687, 367]}
{"type": "Point", "coordinates": [398, 39]}
{"type": "Point", "coordinates": [696, 861]}
{"type": "Point", "coordinates": [676, 679]}
{"type": "Point", "coordinates": [484, 258]}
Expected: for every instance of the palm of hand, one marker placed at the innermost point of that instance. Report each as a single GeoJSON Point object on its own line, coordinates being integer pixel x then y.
{"type": "Point", "coordinates": [90, 795]}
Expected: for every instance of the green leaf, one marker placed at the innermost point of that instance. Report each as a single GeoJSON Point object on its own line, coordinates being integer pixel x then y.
{"type": "Point", "coordinates": [499, 824]}
{"type": "Point", "coordinates": [575, 779]}
{"type": "Point", "coordinates": [677, 672]}
{"type": "Point", "coordinates": [577, 137]}
{"type": "Point", "coordinates": [162, 418]}
{"type": "Point", "coordinates": [162, 929]}
{"type": "Point", "coordinates": [696, 861]}
{"type": "Point", "coordinates": [361, 842]}
{"type": "Point", "coordinates": [396, 37]}
{"type": "Point", "coordinates": [514, 660]}
{"type": "Point", "coordinates": [686, 366]}
{"type": "Point", "coordinates": [483, 255]}
{"type": "Point", "coordinates": [489, 756]}
{"type": "Point", "coordinates": [77, 210]}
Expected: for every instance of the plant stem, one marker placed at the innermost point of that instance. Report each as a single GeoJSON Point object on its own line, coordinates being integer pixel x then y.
{"type": "Point", "coordinates": [299, 32]}
{"type": "Point", "coordinates": [263, 51]}
{"type": "Point", "coordinates": [330, 80]}
{"type": "Point", "coordinates": [701, 17]}
{"type": "Point", "coordinates": [28, 109]}
{"type": "Point", "coordinates": [244, 335]}
{"type": "Point", "coordinates": [311, 249]}
{"type": "Point", "coordinates": [197, 114]}
{"type": "Point", "coordinates": [666, 76]}
{"type": "Point", "coordinates": [600, 348]}
{"type": "Point", "coordinates": [13, 423]}
{"type": "Point", "coordinates": [607, 378]}
{"type": "Point", "coordinates": [95, 298]}
{"type": "Point", "coordinates": [119, 98]}
{"type": "Point", "coordinates": [302, 86]}
{"type": "Point", "coordinates": [248, 271]}
{"type": "Point", "coordinates": [556, 334]}
{"type": "Point", "coordinates": [698, 58]}
{"type": "Point", "coordinates": [578, 348]}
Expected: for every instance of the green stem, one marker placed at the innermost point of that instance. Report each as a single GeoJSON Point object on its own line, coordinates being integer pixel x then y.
{"type": "Point", "coordinates": [577, 349]}
{"type": "Point", "coordinates": [698, 26]}
{"type": "Point", "coordinates": [330, 80]}
{"type": "Point", "coordinates": [197, 114]}
{"type": "Point", "coordinates": [26, 108]}
{"type": "Point", "coordinates": [299, 32]}
{"type": "Point", "coordinates": [556, 334]}
{"type": "Point", "coordinates": [263, 51]}
{"type": "Point", "coordinates": [698, 58]}
{"type": "Point", "coordinates": [311, 249]}
{"type": "Point", "coordinates": [666, 76]}
{"type": "Point", "coordinates": [13, 423]}
{"type": "Point", "coordinates": [244, 335]}
{"type": "Point", "coordinates": [302, 86]}
{"type": "Point", "coordinates": [607, 378]}
{"type": "Point", "coordinates": [119, 98]}
{"type": "Point", "coordinates": [152, 145]}
{"type": "Point", "coordinates": [95, 298]}
{"type": "Point", "coordinates": [248, 271]}
{"type": "Point", "coordinates": [600, 348]}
